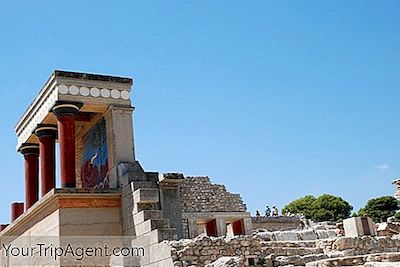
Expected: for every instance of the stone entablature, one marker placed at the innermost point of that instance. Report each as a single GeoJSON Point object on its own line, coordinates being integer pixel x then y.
{"type": "Point", "coordinates": [97, 92]}
{"type": "Point", "coordinates": [199, 195]}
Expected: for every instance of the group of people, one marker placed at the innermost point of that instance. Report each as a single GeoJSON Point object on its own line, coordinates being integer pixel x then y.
{"type": "Point", "coordinates": [268, 212]}
{"type": "Point", "coordinates": [274, 212]}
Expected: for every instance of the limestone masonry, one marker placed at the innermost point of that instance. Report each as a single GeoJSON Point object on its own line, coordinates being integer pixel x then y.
{"type": "Point", "coordinates": [199, 195]}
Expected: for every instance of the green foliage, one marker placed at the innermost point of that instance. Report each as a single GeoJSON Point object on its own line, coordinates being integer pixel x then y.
{"type": "Point", "coordinates": [324, 208]}
{"type": "Point", "coordinates": [301, 206]}
{"type": "Point", "coordinates": [397, 215]}
{"type": "Point", "coordinates": [381, 208]}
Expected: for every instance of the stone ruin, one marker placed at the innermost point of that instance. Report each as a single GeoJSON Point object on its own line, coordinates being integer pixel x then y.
{"type": "Point", "coordinates": [188, 220]}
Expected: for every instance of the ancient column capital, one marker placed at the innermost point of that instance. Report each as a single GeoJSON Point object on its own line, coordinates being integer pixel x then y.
{"type": "Point", "coordinates": [43, 130]}
{"type": "Point", "coordinates": [29, 149]}
{"type": "Point", "coordinates": [66, 108]}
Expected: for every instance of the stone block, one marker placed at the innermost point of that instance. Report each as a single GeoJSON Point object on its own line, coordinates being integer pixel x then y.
{"type": "Point", "coordinates": [149, 225]}
{"type": "Point", "coordinates": [161, 234]}
{"type": "Point", "coordinates": [146, 195]}
{"type": "Point", "coordinates": [142, 184]}
{"type": "Point", "coordinates": [159, 252]}
{"type": "Point", "coordinates": [285, 236]}
{"type": "Point", "coordinates": [145, 215]}
{"type": "Point", "coordinates": [307, 235]}
{"type": "Point", "coordinates": [359, 226]}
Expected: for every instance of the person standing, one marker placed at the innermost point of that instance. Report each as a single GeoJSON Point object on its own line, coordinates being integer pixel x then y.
{"type": "Point", "coordinates": [267, 211]}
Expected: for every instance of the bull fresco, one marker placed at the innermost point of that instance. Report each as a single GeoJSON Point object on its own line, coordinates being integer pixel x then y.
{"type": "Point", "coordinates": [94, 168]}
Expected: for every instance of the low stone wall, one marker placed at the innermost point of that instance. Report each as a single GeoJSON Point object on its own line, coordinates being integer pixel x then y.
{"type": "Point", "coordinates": [281, 223]}
{"type": "Point", "coordinates": [199, 195]}
{"type": "Point", "coordinates": [352, 246]}
{"type": "Point", "coordinates": [297, 235]}
{"type": "Point", "coordinates": [205, 250]}
{"type": "Point", "coordinates": [371, 260]}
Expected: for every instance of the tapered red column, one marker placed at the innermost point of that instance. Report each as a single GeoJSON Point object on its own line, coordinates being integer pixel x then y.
{"type": "Point", "coordinates": [47, 134]}
{"type": "Point", "coordinates": [17, 208]}
{"type": "Point", "coordinates": [66, 112]}
{"type": "Point", "coordinates": [3, 226]}
{"type": "Point", "coordinates": [31, 156]}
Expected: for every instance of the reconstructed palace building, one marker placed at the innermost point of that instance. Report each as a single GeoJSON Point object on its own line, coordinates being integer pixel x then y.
{"type": "Point", "coordinates": [104, 190]}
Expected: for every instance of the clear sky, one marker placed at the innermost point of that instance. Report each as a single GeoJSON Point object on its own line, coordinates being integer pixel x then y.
{"type": "Point", "coordinates": [274, 99]}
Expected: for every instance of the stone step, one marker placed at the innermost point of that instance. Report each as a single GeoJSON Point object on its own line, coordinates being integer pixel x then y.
{"type": "Point", "coordinates": [297, 260]}
{"type": "Point", "coordinates": [290, 244]}
{"type": "Point", "coordinates": [149, 225]}
{"type": "Point", "coordinates": [146, 215]}
{"type": "Point", "coordinates": [146, 196]}
{"type": "Point", "coordinates": [161, 234]}
{"type": "Point", "coordinates": [142, 184]}
{"type": "Point", "coordinates": [282, 251]}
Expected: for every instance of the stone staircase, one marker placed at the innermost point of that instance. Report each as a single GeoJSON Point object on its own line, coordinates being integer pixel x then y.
{"type": "Point", "coordinates": [142, 216]}
{"type": "Point", "coordinates": [298, 253]}
{"type": "Point", "coordinates": [147, 217]}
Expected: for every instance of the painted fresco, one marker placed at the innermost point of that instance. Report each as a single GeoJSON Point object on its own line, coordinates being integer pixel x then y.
{"type": "Point", "coordinates": [94, 168]}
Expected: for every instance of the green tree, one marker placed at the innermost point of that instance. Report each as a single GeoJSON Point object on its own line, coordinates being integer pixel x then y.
{"type": "Point", "coordinates": [381, 208]}
{"type": "Point", "coordinates": [324, 208]}
{"type": "Point", "coordinates": [397, 215]}
{"type": "Point", "coordinates": [301, 206]}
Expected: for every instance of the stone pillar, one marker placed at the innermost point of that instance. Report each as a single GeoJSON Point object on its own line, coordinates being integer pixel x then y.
{"type": "Point", "coordinates": [248, 226]}
{"type": "Point", "coordinates": [193, 228]}
{"type": "Point", "coordinates": [66, 112]}
{"type": "Point", "coordinates": [17, 208]}
{"type": "Point", "coordinates": [31, 156]}
{"type": "Point", "coordinates": [120, 145]}
{"type": "Point", "coordinates": [221, 226]}
{"type": "Point", "coordinates": [47, 134]}
{"type": "Point", "coordinates": [170, 200]}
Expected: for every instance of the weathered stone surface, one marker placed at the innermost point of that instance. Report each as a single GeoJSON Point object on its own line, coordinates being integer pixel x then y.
{"type": "Point", "coordinates": [359, 226]}
{"type": "Point", "coordinates": [286, 236]}
{"type": "Point", "coordinates": [372, 260]}
{"type": "Point", "coordinates": [281, 223]}
{"type": "Point", "coordinates": [225, 262]}
{"type": "Point", "coordinates": [307, 235]}
{"type": "Point", "coordinates": [199, 195]}
{"type": "Point", "coordinates": [339, 251]}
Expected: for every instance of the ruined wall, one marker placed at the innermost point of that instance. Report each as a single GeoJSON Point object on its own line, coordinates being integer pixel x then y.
{"type": "Point", "coordinates": [204, 250]}
{"type": "Point", "coordinates": [199, 195]}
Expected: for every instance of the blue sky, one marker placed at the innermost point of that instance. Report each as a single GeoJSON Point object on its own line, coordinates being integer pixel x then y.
{"type": "Point", "coordinates": [274, 99]}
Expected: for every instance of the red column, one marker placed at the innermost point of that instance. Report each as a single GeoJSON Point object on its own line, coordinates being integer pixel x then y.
{"type": "Point", "coordinates": [31, 156]}
{"type": "Point", "coordinates": [66, 112]}
{"type": "Point", "coordinates": [17, 208]}
{"type": "Point", "coordinates": [47, 145]}
{"type": "Point", "coordinates": [3, 226]}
